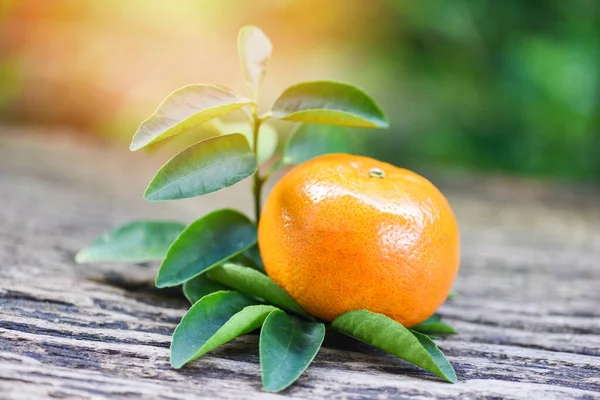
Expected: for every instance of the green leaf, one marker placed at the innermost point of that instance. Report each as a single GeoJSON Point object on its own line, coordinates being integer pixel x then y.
{"type": "Point", "coordinates": [287, 347]}
{"type": "Point", "coordinates": [327, 102]}
{"type": "Point", "coordinates": [254, 255]}
{"type": "Point", "coordinates": [451, 296]}
{"type": "Point", "coordinates": [434, 325]}
{"type": "Point", "coordinates": [184, 109]}
{"type": "Point", "coordinates": [244, 260]}
{"type": "Point", "coordinates": [390, 336]}
{"type": "Point", "coordinates": [200, 286]}
{"type": "Point", "coordinates": [254, 283]}
{"type": "Point", "coordinates": [202, 322]}
{"type": "Point", "coordinates": [245, 321]}
{"type": "Point", "coordinates": [309, 141]}
{"type": "Point", "coordinates": [203, 168]}
{"type": "Point", "coordinates": [138, 241]}
{"type": "Point", "coordinates": [176, 144]}
{"type": "Point", "coordinates": [267, 137]}
{"type": "Point", "coordinates": [205, 243]}
{"type": "Point", "coordinates": [254, 49]}
{"type": "Point", "coordinates": [440, 360]}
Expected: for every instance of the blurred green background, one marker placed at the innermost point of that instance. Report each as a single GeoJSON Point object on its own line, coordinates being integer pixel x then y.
{"type": "Point", "coordinates": [507, 86]}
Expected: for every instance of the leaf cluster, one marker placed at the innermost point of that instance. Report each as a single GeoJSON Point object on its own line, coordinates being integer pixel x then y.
{"type": "Point", "coordinates": [215, 258]}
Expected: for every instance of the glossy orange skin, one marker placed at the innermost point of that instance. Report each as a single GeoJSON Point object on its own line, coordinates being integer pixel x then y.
{"type": "Point", "coordinates": [337, 239]}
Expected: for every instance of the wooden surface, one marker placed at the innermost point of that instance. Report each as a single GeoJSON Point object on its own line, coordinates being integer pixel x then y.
{"type": "Point", "coordinates": [528, 304]}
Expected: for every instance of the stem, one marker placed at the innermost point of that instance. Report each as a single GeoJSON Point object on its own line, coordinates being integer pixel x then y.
{"type": "Point", "coordinates": [258, 179]}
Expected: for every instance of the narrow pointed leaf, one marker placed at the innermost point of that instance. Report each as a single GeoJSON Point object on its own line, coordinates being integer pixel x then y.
{"type": "Point", "coordinates": [254, 50]}
{"type": "Point", "coordinates": [312, 140]}
{"type": "Point", "coordinates": [447, 372]}
{"type": "Point", "coordinates": [200, 286]}
{"type": "Point", "coordinates": [202, 321]}
{"type": "Point", "coordinates": [138, 241]}
{"type": "Point", "coordinates": [327, 102]}
{"type": "Point", "coordinates": [390, 336]}
{"type": "Point", "coordinates": [287, 347]}
{"type": "Point", "coordinates": [184, 109]}
{"type": "Point", "coordinates": [205, 243]}
{"type": "Point", "coordinates": [203, 168]}
{"type": "Point", "coordinates": [434, 326]}
{"type": "Point", "coordinates": [254, 283]}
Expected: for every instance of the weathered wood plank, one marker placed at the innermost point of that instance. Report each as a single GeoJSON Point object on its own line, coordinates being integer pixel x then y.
{"type": "Point", "coordinates": [527, 307]}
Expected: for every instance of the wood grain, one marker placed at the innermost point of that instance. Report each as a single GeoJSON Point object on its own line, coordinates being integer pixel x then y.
{"type": "Point", "coordinates": [528, 304]}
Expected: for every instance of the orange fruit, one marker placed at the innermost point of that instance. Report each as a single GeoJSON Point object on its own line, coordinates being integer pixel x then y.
{"type": "Point", "coordinates": [343, 232]}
